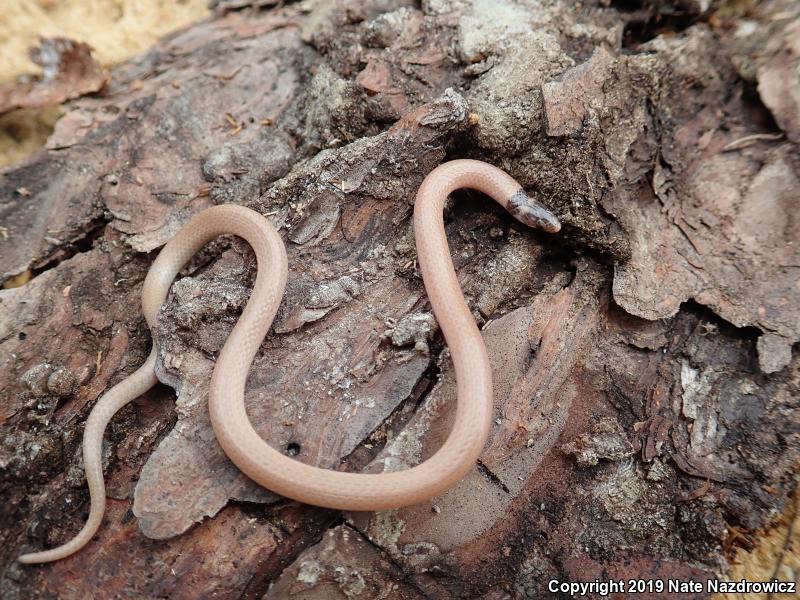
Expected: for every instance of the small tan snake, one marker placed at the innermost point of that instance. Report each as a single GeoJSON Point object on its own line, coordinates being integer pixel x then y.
{"type": "Point", "coordinates": [255, 457]}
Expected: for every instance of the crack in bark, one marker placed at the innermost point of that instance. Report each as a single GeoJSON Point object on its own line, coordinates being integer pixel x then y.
{"type": "Point", "coordinates": [93, 230]}
{"type": "Point", "coordinates": [389, 558]}
{"type": "Point", "coordinates": [487, 472]}
{"type": "Point", "coordinates": [290, 548]}
{"type": "Point", "coordinates": [395, 421]}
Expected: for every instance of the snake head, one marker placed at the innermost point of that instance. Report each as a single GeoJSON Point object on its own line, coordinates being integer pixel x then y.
{"type": "Point", "coordinates": [528, 211]}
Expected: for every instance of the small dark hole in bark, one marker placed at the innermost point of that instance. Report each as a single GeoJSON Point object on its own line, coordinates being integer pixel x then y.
{"type": "Point", "coordinates": [22, 335]}
{"type": "Point", "coordinates": [293, 449]}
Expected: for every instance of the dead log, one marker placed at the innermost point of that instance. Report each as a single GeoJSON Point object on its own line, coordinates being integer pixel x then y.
{"type": "Point", "coordinates": [646, 390]}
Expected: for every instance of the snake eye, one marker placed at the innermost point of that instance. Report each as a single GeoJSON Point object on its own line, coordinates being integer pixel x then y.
{"type": "Point", "coordinates": [528, 211]}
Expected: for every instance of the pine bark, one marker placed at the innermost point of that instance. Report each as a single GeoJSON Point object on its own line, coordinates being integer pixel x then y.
{"type": "Point", "coordinates": [646, 387]}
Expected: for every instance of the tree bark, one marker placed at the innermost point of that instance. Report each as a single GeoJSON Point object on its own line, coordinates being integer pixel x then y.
{"type": "Point", "coordinates": [646, 390]}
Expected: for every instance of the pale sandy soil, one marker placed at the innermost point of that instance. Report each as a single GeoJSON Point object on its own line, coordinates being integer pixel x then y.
{"type": "Point", "coordinates": [776, 555]}
{"type": "Point", "coordinates": [116, 29]}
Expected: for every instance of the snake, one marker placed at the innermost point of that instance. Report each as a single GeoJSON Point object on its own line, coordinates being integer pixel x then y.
{"type": "Point", "coordinates": [253, 455]}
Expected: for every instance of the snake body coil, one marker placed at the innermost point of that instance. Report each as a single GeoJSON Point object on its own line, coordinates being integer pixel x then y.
{"type": "Point", "coordinates": [253, 455]}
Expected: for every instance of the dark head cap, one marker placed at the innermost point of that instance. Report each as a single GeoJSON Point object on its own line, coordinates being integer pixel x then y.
{"type": "Point", "coordinates": [529, 212]}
